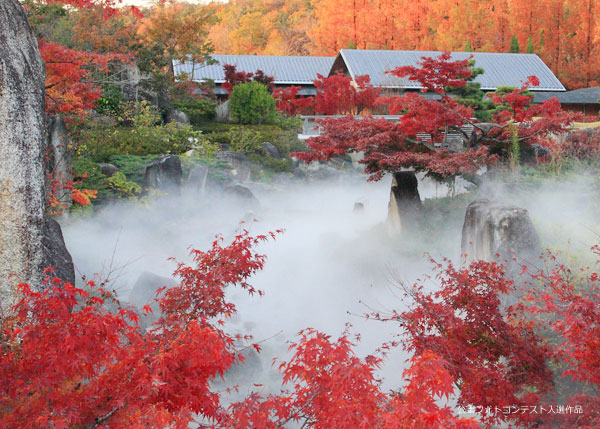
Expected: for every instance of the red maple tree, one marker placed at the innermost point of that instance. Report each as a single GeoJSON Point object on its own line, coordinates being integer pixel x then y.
{"type": "Point", "coordinates": [565, 305]}
{"type": "Point", "coordinates": [331, 387]}
{"type": "Point", "coordinates": [234, 77]}
{"type": "Point", "coordinates": [494, 358]}
{"type": "Point", "coordinates": [421, 138]}
{"type": "Point", "coordinates": [288, 102]}
{"type": "Point", "coordinates": [70, 84]}
{"type": "Point", "coordinates": [66, 360]}
{"type": "Point", "coordinates": [339, 94]}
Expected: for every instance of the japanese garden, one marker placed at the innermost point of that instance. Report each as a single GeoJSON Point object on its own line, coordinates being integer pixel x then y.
{"type": "Point", "coordinates": [299, 214]}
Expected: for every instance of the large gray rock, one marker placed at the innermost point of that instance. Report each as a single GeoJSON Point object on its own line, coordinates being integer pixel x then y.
{"type": "Point", "coordinates": [22, 143]}
{"type": "Point", "coordinates": [222, 112]}
{"type": "Point", "coordinates": [240, 164]}
{"type": "Point", "coordinates": [405, 202]}
{"type": "Point", "coordinates": [56, 254]}
{"type": "Point", "coordinates": [163, 173]}
{"type": "Point", "coordinates": [131, 77]}
{"type": "Point", "coordinates": [198, 178]}
{"type": "Point", "coordinates": [271, 150]}
{"type": "Point", "coordinates": [242, 196]}
{"type": "Point", "coordinates": [178, 116]}
{"type": "Point", "coordinates": [499, 232]}
{"type": "Point", "coordinates": [59, 163]}
{"type": "Point", "coordinates": [144, 293]}
{"type": "Point", "coordinates": [108, 169]}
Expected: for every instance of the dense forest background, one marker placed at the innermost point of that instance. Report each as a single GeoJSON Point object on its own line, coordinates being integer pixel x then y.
{"type": "Point", "coordinates": [564, 33]}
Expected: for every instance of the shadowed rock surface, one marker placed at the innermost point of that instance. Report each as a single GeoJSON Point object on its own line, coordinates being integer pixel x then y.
{"type": "Point", "coordinates": [498, 232]}
{"type": "Point", "coordinates": [405, 202]}
{"type": "Point", "coordinates": [163, 173]}
{"type": "Point", "coordinates": [56, 254]}
{"type": "Point", "coordinates": [240, 165]}
{"type": "Point", "coordinates": [22, 143]}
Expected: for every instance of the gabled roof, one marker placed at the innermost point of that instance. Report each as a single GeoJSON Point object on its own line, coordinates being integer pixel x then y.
{"type": "Point", "coordinates": [287, 70]}
{"type": "Point", "coordinates": [501, 69]}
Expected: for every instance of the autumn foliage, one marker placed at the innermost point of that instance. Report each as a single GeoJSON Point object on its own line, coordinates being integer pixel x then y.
{"type": "Point", "coordinates": [77, 357]}
{"type": "Point", "coordinates": [340, 95]}
{"type": "Point", "coordinates": [70, 86]}
{"type": "Point", "coordinates": [492, 356]}
{"type": "Point", "coordinates": [564, 33]}
{"type": "Point", "coordinates": [234, 78]}
{"type": "Point", "coordinates": [289, 103]}
{"type": "Point", "coordinates": [419, 139]}
{"type": "Point", "coordinates": [66, 360]}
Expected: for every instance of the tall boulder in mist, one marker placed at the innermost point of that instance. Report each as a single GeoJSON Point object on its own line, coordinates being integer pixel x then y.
{"type": "Point", "coordinates": [22, 142]}
{"type": "Point", "coordinates": [499, 232]}
{"type": "Point", "coordinates": [198, 178]}
{"type": "Point", "coordinates": [163, 173]}
{"type": "Point", "coordinates": [405, 202]}
{"type": "Point", "coordinates": [242, 197]}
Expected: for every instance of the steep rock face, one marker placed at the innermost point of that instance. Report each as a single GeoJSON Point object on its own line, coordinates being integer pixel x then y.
{"type": "Point", "coordinates": [405, 201]}
{"type": "Point", "coordinates": [22, 141]}
{"type": "Point", "coordinates": [497, 232]}
{"type": "Point", "coordinates": [55, 252]}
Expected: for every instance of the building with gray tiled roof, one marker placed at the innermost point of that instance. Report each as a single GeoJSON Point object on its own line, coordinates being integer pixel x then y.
{"type": "Point", "coordinates": [500, 69]}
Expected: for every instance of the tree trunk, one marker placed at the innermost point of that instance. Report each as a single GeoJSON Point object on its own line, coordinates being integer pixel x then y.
{"type": "Point", "coordinates": [22, 139]}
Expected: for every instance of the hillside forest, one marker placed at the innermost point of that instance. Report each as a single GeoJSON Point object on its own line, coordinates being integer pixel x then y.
{"type": "Point", "coordinates": [564, 33]}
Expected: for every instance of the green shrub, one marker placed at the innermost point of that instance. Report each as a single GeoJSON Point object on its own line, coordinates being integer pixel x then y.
{"type": "Point", "coordinates": [132, 166]}
{"type": "Point", "coordinates": [140, 133]}
{"type": "Point", "coordinates": [197, 110]}
{"type": "Point", "coordinates": [125, 189]}
{"type": "Point", "coordinates": [285, 122]}
{"type": "Point", "coordinates": [286, 141]}
{"type": "Point", "coordinates": [88, 175]}
{"type": "Point", "coordinates": [251, 103]}
{"type": "Point", "coordinates": [111, 102]}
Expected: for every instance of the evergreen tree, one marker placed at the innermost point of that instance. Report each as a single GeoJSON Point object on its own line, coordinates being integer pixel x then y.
{"type": "Point", "coordinates": [529, 49]}
{"type": "Point", "coordinates": [472, 95]}
{"type": "Point", "coordinates": [468, 46]}
{"type": "Point", "coordinates": [514, 45]}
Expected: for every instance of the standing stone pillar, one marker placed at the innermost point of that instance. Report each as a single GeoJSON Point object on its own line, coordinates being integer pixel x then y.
{"type": "Point", "coordinates": [22, 141]}
{"type": "Point", "coordinates": [405, 202]}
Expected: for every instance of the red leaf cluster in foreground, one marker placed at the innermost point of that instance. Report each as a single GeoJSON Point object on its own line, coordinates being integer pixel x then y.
{"type": "Point", "coordinates": [66, 360]}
